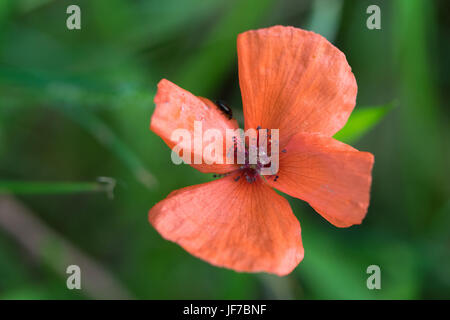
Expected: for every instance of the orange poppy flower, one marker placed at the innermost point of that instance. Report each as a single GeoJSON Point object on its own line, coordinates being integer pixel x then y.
{"type": "Point", "coordinates": [298, 82]}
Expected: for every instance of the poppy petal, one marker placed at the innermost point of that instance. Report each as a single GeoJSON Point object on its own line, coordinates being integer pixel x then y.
{"type": "Point", "coordinates": [177, 109]}
{"type": "Point", "coordinates": [331, 176]}
{"type": "Point", "coordinates": [294, 80]}
{"type": "Point", "coordinates": [234, 224]}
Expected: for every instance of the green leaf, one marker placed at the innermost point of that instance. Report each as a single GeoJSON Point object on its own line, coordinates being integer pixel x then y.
{"type": "Point", "coordinates": [361, 121]}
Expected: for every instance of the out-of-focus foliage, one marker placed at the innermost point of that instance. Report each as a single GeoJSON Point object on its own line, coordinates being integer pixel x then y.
{"type": "Point", "coordinates": [361, 121]}
{"type": "Point", "coordinates": [75, 105]}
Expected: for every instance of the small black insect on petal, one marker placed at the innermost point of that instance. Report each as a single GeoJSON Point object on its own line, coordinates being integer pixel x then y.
{"type": "Point", "coordinates": [224, 108]}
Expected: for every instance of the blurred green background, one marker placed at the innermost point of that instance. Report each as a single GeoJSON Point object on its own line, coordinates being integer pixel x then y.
{"type": "Point", "coordinates": [75, 105]}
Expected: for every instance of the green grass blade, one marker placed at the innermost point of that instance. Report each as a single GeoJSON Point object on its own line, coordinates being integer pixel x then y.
{"type": "Point", "coordinates": [39, 187]}
{"type": "Point", "coordinates": [105, 136]}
